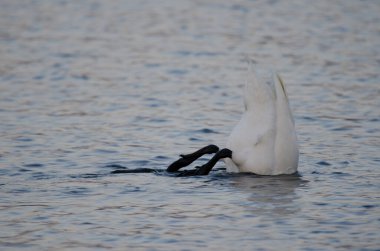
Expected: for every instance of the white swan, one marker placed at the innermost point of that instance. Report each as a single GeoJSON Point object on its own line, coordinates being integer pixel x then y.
{"type": "Point", "coordinates": [264, 141]}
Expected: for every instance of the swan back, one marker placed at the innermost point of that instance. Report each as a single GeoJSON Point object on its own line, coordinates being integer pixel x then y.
{"type": "Point", "coordinates": [264, 141]}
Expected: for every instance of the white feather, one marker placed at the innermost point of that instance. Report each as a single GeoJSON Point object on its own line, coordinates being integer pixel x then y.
{"type": "Point", "coordinates": [264, 141]}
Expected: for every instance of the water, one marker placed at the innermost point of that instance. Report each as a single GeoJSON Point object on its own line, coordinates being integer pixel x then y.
{"type": "Point", "coordinates": [87, 86]}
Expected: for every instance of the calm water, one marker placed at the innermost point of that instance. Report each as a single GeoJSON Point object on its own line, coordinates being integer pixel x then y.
{"type": "Point", "coordinates": [87, 86]}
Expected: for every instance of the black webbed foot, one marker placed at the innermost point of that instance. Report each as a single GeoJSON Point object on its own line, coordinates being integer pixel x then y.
{"type": "Point", "coordinates": [206, 168]}
{"type": "Point", "coordinates": [187, 159]}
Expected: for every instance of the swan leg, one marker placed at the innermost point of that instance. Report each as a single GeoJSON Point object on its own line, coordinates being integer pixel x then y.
{"type": "Point", "coordinates": [187, 159]}
{"type": "Point", "coordinates": [206, 168]}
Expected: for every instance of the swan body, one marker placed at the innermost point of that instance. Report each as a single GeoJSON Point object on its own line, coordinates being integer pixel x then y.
{"type": "Point", "coordinates": [264, 141]}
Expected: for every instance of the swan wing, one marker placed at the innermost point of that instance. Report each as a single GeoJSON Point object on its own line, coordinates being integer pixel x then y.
{"type": "Point", "coordinates": [286, 147]}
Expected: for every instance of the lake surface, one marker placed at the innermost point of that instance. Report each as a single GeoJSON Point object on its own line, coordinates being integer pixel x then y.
{"type": "Point", "coordinates": [88, 87]}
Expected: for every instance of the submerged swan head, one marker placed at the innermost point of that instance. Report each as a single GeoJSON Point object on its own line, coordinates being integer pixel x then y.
{"type": "Point", "coordinates": [264, 141]}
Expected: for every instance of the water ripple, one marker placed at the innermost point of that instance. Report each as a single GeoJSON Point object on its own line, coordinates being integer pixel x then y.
{"type": "Point", "coordinates": [94, 87]}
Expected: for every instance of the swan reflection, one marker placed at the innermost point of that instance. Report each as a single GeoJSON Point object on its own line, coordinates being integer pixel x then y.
{"type": "Point", "coordinates": [274, 195]}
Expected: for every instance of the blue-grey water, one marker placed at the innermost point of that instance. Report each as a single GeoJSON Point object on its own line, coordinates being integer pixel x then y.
{"type": "Point", "coordinates": [91, 86]}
